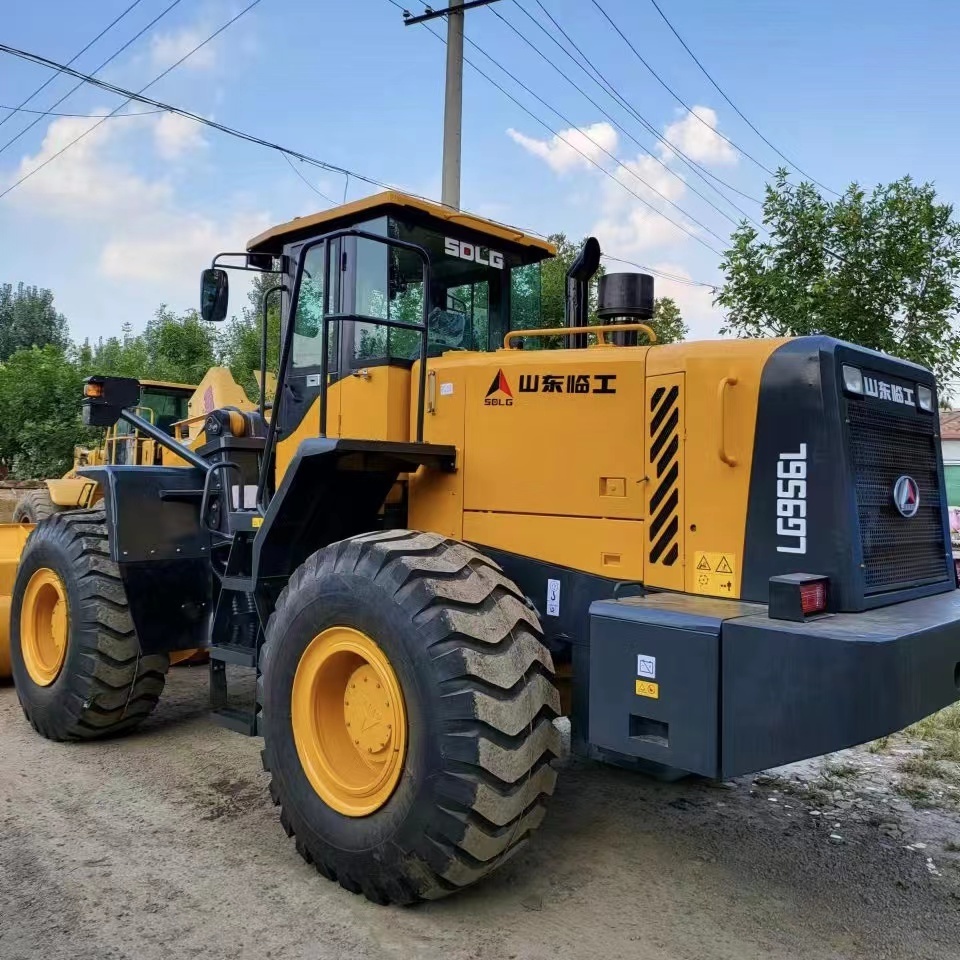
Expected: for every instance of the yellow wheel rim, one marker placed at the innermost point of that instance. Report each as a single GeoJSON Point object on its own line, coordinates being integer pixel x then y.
{"type": "Point", "coordinates": [349, 721]}
{"type": "Point", "coordinates": [44, 627]}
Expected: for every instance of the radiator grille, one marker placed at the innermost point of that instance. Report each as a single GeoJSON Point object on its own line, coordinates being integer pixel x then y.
{"type": "Point", "coordinates": [897, 551]}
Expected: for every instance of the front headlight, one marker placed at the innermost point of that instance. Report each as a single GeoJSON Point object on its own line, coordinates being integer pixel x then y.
{"type": "Point", "coordinates": [852, 379]}
{"type": "Point", "coordinates": [924, 398]}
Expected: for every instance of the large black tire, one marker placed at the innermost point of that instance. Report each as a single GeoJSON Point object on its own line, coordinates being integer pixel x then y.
{"type": "Point", "coordinates": [34, 506]}
{"type": "Point", "coordinates": [480, 700]}
{"type": "Point", "coordinates": [105, 685]}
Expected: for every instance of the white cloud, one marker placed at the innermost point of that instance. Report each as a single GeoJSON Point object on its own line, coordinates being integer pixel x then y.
{"type": "Point", "coordinates": [650, 219]}
{"type": "Point", "coordinates": [702, 318]}
{"type": "Point", "coordinates": [569, 149]}
{"type": "Point", "coordinates": [171, 249]}
{"type": "Point", "coordinates": [696, 137]}
{"type": "Point", "coordinates": [86, 181]}
{"type": "Point", "coordinates": [167, 48]}
{"type": "Point", "coordinates": [176, 136]}
{"type": "Point", "coordinates": [628, 227]}
{"type": "Point", "coordinates": [132, 225]}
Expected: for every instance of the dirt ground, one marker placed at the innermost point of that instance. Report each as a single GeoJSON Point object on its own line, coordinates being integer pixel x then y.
{"type": "Point", "coordinates": [165, 844]}
{"type": "Point", "coordinates": [8, 500]}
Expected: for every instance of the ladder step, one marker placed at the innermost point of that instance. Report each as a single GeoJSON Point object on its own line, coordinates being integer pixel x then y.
{"type": "Point", "coordinates": [238, 584]}
{"type": "Point", "coordinates": [229, 653]}
{"type": "Point", "coordinates": [239, 721]}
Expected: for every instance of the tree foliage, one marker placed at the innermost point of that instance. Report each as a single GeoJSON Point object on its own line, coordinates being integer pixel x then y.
{"type": "Point", "coordinates": [878, 269]}
{"type": "Point", "coordinates": [239, 344]}
{"type": "Point", "coordinates": [40, 411]}
{"type": "Point", "coordinates": [40, 385]}
{"type": "Point", "coordinates": [667, 321]}
{"type": "Point", "coordinates": [29, 319]}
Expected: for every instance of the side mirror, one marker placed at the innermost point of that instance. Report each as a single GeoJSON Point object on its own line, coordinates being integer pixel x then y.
{"type": "Point", "coordinates": [105, 398]}
{"type": "Point", "coordinates": [214, 295]}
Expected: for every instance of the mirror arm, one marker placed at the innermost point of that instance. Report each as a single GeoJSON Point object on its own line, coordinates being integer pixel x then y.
{"type": "Point", "coordinates": [165, 440]}
{"type": "Point", "coordinates": [233, 266]}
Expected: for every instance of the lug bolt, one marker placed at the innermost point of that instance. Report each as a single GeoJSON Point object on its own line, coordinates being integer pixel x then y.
{"type": "Point", "coordinates": [357, 742]}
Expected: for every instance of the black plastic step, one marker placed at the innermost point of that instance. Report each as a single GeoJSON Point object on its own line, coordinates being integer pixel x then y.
{"type": "Point", "coordinates": [230, 653]}
{"type": "Point", "coordinates": [239, 721]}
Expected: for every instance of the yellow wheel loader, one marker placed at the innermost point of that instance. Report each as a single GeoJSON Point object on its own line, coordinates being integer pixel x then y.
{"type": "Point", "coordinates": [713, 557]}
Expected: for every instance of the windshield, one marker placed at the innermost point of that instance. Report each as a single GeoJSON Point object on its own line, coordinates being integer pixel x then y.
{"type": "Point", "coordinates": [167, 407]}
{"type": "Point", "coordinates": [474, 293]}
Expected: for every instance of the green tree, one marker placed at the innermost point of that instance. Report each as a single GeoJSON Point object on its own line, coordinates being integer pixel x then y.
{"type": "Point", "coordinates": [40, 391]}
{"type": "Point", "coordinates": [238, 344]}
{"type": "Point", "coordinates": [667, 322]}
{"type": "Point", "coordinates": [29, 319]}
{"type": "Point", "coordinates": [878, 269]}
{"type": "Point", "coordinates": [179, 348]}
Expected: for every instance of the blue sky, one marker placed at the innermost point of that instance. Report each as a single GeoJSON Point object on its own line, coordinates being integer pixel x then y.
{"type": "Point", "coordinates": [125, 220]}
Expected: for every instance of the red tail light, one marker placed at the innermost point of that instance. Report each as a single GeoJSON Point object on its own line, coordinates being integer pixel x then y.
{"type": "Point", "coordinates": [813, 597]}
{"type": "Point", "coordinates": [796, 596]}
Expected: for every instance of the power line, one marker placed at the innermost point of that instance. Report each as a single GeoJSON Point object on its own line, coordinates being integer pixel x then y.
{"type": "Point", "coordinates": [571, 125]}
{"type": "Point", "coordinates": [660, 273]}
{"type": "Point", "coordinates": [75, 57]}
{"type": "Point", "coordinates": [663, 83]}
{"type": "Point", "coordinates": [319, 193]}
{"type": "Point", "coordinates": [738, 111]}
{"type": "Point", "coordinates": [81, 116]}
{"type": "Point", "coordinates": [203, 121]}
{"type": "Point", "coordinates": [609, 117]}
{"type": "Point", "coordinates": [91, 79]}
{"type": "Point", "coordinates": [73, 89]}
{"type": "Point", "coordinates": [572, 146]}
{"type": "Point", "coordinates": [702, 172]}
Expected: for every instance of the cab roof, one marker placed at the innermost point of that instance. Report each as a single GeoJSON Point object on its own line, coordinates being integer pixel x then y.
{"type": "Point", "coordinates": [300, 228]}
{"type": "Point", "coordinates": [165, 385]}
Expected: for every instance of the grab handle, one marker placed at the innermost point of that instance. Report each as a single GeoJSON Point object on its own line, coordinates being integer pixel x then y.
{"type": "Point", "coordinates": [721, 397]}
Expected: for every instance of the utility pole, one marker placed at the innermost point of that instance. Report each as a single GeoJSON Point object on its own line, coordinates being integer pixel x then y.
{"type": "Point", "coordinates": [453, 97]}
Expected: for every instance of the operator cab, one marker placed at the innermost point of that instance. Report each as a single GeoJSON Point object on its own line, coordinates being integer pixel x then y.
{"type": "Point", "coordinates": [484, 279]}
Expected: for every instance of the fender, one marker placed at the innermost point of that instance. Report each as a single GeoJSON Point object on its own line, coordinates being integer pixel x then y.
{"type": "Point", "coordinates": [153, 520]}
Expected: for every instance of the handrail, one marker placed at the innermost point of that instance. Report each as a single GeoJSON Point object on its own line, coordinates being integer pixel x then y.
{"type": "Point", "coordinates": [262, 401]}
{"type": "Point", "coordinates": [721, 395]}
{"type": "Point", "coordinates": [599, 330]}
{"type": "Point", "coordinates": [287, 343]}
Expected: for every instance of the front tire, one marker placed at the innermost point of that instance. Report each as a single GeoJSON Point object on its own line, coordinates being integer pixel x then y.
{"type": "Point", "coordinates": [75, 655]}
{"type": "Point", "coordinates": [478, 704]}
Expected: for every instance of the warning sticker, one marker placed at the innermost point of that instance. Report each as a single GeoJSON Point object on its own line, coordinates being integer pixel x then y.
{"type": "Point", "coordinates": [716, 574]}
{"type": "Point", "coordinates": [647, 689]}
{"type": "Point", "coordinates": [553, 598]}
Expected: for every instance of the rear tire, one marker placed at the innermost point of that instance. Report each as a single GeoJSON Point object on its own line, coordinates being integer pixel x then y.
{"type": "Point", "coordinates": [103, 685]}
{"type": "Point", "coordinates": [477, 685]}
{"type": "Point", "coordinates": [35, 506]}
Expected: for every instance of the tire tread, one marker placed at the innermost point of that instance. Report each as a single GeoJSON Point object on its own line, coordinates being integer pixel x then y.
{"type": "Point", "coordinates": [497, 703]}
